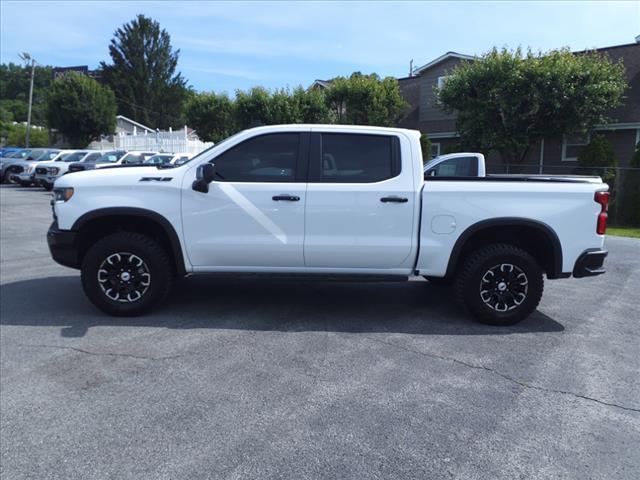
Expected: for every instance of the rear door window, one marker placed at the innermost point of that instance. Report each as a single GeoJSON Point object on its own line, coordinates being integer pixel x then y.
{"type": "Point", "coordinates": [358, 158]}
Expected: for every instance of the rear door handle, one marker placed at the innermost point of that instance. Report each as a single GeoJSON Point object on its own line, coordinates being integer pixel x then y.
{"type": "Point", "coordinates": [286, 198]}
{"type": "Point", "coordinates": [394, 199]}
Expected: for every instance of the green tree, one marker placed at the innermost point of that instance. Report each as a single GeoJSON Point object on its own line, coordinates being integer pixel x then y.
{"type": "Point", "coordinates": [16, 136]}
{"type": "Point", "coordinates": [212, 115]}
{"type": "Point", "coordinates": [253, 107]}
{"type": "Point", "coordinates": [598, 158]}
{"type": "Point", "coordinates": [312, 106]}
{"type": "Point", "coordinates": [455, 147]}
{"type": "Point", "coordinates": [14, 93]}
{"type": "Point", "coordinates": [630, 204]}
{"type": "Point", "coordinates": [365, 100]}
{"type": "Point", "coordinates": [505, 100]}
{"type": "Point", "coordinates": [81, 109]}
{"type": "Point", "coordinates": [143, 74]}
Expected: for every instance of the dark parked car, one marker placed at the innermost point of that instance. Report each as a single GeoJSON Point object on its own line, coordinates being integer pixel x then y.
{"type": "Point", "coordinates": [110, 157]}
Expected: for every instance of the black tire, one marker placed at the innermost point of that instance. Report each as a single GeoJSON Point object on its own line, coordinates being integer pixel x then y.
{"type": "Point", "coordinates": [491, 280]}
{"type": "Point", "coordinates": [103, 259]}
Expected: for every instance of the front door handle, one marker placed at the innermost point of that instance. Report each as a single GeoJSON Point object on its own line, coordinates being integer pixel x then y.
{"type": "Point", "coordinates": [286, 198]}
{"type": "Point", "coordinates": [394, 199]}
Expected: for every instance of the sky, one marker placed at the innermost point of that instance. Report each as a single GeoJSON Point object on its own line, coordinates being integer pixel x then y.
{"type": "Point", "coordinates": [226, 46]}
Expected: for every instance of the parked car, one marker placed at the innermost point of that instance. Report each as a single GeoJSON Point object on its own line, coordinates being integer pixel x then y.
{"type": "Point", "coordinates": [326, 200]}
{"type": "Point", "coordinates": [107, 157]}
{"type": "Point", "coordinates": [9, 158]}
{"type": "Point", "coordinates": [21, 171]}
{"type": "Point", "coordinates": [168, 159]}
{"type": "Point", "coordinates": [46, 173]}
{"type": "Point", "coordinates": [130, 158]}
{"type": "Point", "coordinates": [28, 175]}
{"type": "Point", "coordinates": [7, 150]}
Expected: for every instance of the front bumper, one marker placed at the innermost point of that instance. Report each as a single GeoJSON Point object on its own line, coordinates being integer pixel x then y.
{"type": "Point", "coordinates": [43, 180]}
{"type": "Point", "coordinates": [25, 177]}
{"type": "Point", "coordinates": [590, 263]}
{"type": "Point", "coordinates": [63, 247]}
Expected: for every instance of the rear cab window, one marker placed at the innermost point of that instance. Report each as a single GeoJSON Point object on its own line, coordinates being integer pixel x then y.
{"type": "Point", "coordinates": [355, 158]}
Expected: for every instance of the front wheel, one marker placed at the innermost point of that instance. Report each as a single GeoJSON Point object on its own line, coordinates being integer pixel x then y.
{"type": "Point", "coordinates": [126, 274]}
{"type": "Point", "coordinates": [500, 284]}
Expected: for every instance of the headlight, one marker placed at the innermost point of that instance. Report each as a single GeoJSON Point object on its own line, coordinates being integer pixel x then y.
{"type": "Point", "coordinates": [54, 170]}
{"type": "Point", "coordinates": [62, 194]}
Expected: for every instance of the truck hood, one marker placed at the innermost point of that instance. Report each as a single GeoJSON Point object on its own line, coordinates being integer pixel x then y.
{"type": "Point", "coordinates": [115, 176]}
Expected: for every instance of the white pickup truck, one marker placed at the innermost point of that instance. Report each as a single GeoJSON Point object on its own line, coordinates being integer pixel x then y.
{"type": "Point", "coordinates": [326, 200]}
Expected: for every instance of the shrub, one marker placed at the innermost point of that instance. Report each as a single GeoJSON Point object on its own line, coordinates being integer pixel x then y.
{"type": "Point", "coordinates": [16, 136]}
{"type": "Point", "coordinates": [598, 158]}
{"type": "Point", "coordinates": [630, 204]}
{"type": "Point", "coordinates": [425, 144]}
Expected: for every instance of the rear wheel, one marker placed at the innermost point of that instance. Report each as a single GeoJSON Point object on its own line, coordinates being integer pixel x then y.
{"type": "Point", "coordinates": [126, 274]}
{"type": "Point", "coordinates": [500, 284]}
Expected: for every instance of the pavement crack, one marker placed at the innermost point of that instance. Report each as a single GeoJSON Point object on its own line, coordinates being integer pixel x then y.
{"type": "Point", "coordinates": [104, 354]}
{"type": "Point", "coordinates": [503, 375]}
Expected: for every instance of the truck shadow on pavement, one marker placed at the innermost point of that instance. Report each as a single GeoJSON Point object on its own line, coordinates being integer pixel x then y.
{"type": "Point", "coordinates": [416, 307]}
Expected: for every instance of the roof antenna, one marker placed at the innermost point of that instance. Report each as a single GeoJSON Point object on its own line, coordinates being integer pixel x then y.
{"type": "Point", "coordinates": [411, 67]}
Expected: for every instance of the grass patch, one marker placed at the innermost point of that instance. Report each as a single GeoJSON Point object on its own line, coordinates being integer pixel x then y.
{"type": "Point", "coordinates": [624, 232]}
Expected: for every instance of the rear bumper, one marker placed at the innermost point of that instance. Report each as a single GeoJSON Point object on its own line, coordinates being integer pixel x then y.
{"type": "Point", "coordinates": [590, 263]}
{"type": "Point", "coordinates": [62, 245]}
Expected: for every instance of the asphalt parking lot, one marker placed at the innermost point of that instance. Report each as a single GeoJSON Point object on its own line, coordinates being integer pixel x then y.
{"type": "Point", "coordinates": [289, 379]}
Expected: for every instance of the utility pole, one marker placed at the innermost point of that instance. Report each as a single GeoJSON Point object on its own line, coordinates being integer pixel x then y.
{"type": "Point", "coordinates": [26, 57]}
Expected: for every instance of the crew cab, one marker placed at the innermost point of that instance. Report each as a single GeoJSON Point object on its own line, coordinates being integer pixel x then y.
{"type": "Point", "coordinates": [325, 201]}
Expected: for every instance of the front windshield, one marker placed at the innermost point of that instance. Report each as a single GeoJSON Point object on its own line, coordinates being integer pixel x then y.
{"type": "Point", "coordinates": [430, 163]}
{"type": "Point", "coordinates": [20, 154]}
{"type": "Point", "coordinates": [158, 159]}
{"type": "Point", "coordinates": [73, 157]}
{"type": "Point", "coordinates": [36, 155]}
{"type": "Point", "coordinates": [110, 157]}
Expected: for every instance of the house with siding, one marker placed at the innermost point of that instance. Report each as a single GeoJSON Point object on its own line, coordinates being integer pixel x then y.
{"type": "Point", "coordinates": [549, 155]}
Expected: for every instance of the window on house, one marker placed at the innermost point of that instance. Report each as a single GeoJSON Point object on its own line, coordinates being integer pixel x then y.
{"type": "Point", "coordinates": [440, 83]}
{"type": "Point", "coordinates": [572, 145]}
{"type": "Point", "coordinates": [441, 80]}
{"type": "Point", "coordinates": [435, 150]}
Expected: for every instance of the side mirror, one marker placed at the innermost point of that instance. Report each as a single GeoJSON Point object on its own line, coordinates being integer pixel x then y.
{"type": "Point", "coordinates": [205, 174]}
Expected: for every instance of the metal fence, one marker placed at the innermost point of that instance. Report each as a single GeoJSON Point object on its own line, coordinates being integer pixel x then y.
{"type": "Point", "coordinates": [170, 141]}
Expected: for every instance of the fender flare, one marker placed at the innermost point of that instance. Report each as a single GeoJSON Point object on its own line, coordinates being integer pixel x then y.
{"type": "Point", "coordinates": [541, 227]}
{"type": "Point", "coordinates": [172, 235]}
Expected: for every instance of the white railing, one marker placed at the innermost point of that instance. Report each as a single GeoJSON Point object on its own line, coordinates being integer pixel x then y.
{"type": "Point", "coordinates": [168, 141]}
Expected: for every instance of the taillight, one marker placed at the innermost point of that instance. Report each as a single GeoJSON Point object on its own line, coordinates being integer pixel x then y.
{"type": "Point", "coordinates": [603, 199]}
